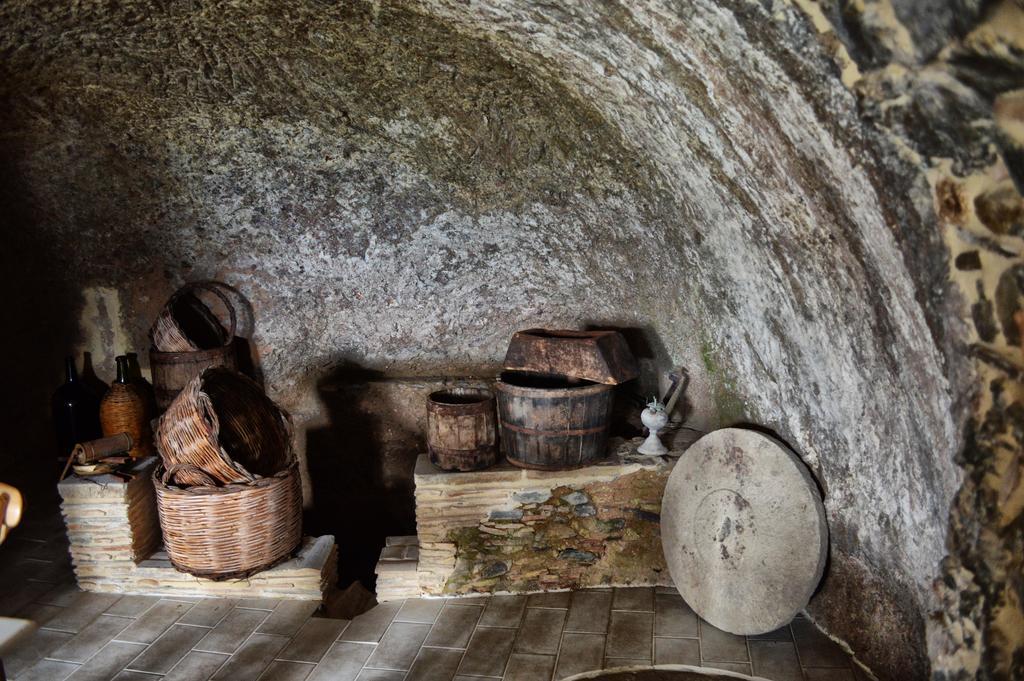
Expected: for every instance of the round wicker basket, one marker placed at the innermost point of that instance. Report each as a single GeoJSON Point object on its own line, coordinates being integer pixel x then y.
{"type": "Point", "coordinates": [225, 429]}
{"type": "Point", "coordinates": [233, 531]}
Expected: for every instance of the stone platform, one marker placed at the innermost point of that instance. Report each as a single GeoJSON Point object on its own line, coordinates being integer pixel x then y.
{"type": "Point", "coordinates": [115, 543]}
{"type": "Point", "coordinates": [506, 529]}
{"type": "Point", "coordinates": [396, 570]}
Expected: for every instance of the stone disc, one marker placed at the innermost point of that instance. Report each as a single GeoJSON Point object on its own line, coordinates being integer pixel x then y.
{"type": "Point", "coordinates": [743, 530]}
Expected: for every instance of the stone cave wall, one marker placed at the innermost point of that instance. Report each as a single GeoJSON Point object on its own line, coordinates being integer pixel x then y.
{"type": "Point", "coordinates": [812, 207]}
{"type": "Point", "coordinates": [946, 81]}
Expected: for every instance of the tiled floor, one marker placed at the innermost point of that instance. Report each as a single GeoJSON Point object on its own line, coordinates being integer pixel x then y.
{"type": "Point", "coordinates": [544, 636]}
{"type": "Point", "coordinates": [95, 636]}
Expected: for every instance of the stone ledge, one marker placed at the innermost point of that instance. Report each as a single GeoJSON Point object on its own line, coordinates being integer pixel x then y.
{"type": "Point", "coordinates": [622, 459]}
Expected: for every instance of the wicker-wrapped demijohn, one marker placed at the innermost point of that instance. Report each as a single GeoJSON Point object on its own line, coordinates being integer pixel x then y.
{"type": "Point", "coordinates": [228, 489]}
{"type": "Point", "coordinates": [126, 409]}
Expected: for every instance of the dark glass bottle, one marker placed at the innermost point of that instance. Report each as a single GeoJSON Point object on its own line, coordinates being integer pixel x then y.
{"type": "Point", "coordinates": [144, 386]}
{"type": "Point", "coordinates": [76, 411]}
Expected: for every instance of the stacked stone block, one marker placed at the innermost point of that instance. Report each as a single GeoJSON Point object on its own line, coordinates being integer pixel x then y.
{"type": "Point", "coordinates": [112, 524]}
{"type": "Point", "coordinates": [397, 569]}
{"type": "Point", "coordinates": [509, 529]}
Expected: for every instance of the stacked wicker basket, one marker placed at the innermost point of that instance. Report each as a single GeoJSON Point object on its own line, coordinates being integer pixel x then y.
{"type": "Point", "coordinates": [228, 490]}
{"type": "Point", "coordinates": [189, 338]}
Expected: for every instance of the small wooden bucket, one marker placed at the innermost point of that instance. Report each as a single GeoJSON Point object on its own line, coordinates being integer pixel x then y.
{"type": "Point", "coordinates": [172, 371]}
{"type": "Point", "coordinates": [461, 429]}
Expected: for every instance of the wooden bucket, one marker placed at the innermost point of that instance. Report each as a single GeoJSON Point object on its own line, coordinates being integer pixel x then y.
{"type": "Point", "coordinates": [553, 423]}
{"type": "Point", "coordinates": [461, 429]}
{"type": "Point", "coordinates": [172, 371]}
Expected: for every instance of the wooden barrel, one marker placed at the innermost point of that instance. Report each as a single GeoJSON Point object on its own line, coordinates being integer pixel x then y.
{"type": "Point", "coordinates": [172, 371]}
{"type": "Point", "coordinates": [461, 429]}
{"type": "Point", "coordinates": [553, 423]}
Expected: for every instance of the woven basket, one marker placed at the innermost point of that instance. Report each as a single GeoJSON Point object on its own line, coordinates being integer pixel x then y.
{"type": "Point", "coordinates": [229, 532]}
{"type": "Point", "coordinates": [186, 323]}
{"type": "Point", "coordinates": [225, 429]}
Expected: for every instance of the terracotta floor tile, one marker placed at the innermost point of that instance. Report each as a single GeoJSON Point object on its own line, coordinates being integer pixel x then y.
{"type": "Point", "coordinates": [488, 651]}
{"type": "Point", "coordinates": [454, 626]}
{"type": "Point", "coordinates": [775, 660]}
{"type": "Point", "coordinates": [541, 630]}
{"type": "Point", "coordinates": [313, 640]}
{"type": "Point", "coordinates": [552, 599]}
{"type": "Point", "coordinates": [371, 625]}
{"type": "Point", "coordinates": [282, 670]}
{"type": "Point", "coordinates": [110, 660]}
{"type": "Point", "coordinates": [589, 611]}
{"type": "Point", "coordinates": [196, 666]}
{"type": "Point", "coordinates": [503, 611]}
{"type": "Point", "coordinates": [419, 610]}
{"type": "Point", "coordinates": [254, 656]}
{"type": "Point", "coordinates": [579, 653]}
{"type": "Point", "coordinates": [435, 664]}
{"type": "Point", "coordinates": [677, 651]}
{"type": "Point", "coordinates": [399, 646]}
{"type": "Point", "coordinates": [342, 662]}
{"type": "Point", "coordinates": [640, 599]}
{"type": "Point", "coordinates": [630, 635]}
{"type": "Point", "coordinates": [168, 650]}
{"type": "Point", "coordinates": [721, 646]}
{"type": "Point", "coordinates": [529, 667]}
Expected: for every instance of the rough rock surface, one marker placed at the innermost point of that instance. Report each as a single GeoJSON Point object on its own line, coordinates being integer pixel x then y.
{"type": "Point", "coordinates": [773, 195]}
{"type": "Point", "coordinates": [943, 80]}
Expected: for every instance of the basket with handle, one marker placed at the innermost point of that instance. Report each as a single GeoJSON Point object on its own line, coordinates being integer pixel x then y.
{"type": "Point", "coordinates": [231, 531]}
{"type": "Point", "coordinates": [223, 426]}
{"type": "Point", "coordinates": [176, 358]}
{"type": "Point", "coordinates": [185, 309]}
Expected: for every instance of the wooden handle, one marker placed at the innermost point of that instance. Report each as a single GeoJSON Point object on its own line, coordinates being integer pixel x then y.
{"type": "Point", "coordinates": [94, 450]}
{"type": "Point", "coordinates": [11, 504]}
{"type": "Point", "coordinates": [676, 390]}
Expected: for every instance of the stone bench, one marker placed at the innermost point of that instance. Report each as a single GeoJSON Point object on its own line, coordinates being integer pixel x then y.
{"type": "Point", "coordinates": [115, 543]}
{"type": "Point", "coordinates": [507, 529]}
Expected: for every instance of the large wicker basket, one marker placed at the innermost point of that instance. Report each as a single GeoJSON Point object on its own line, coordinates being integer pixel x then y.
{"type": "Point", "coordinates": [233, 531]}
{"type": "Point", "coordinates": [225, 429]}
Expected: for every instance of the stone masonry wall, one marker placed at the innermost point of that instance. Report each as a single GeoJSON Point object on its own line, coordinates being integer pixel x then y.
{"type": "Point", "coordinates": [507, 529]}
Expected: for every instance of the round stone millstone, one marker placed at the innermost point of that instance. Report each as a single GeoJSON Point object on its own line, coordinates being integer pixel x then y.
{"type": "Point", "coordinates": [743, 530]}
